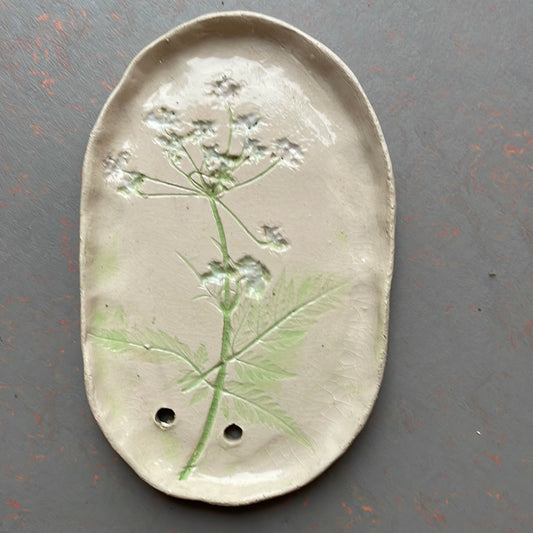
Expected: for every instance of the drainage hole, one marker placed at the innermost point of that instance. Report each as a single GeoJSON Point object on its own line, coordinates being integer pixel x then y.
{"type": "Point", "coordinates": [233, 432]}
{"type": "Point", "coordinates": [165, 417]}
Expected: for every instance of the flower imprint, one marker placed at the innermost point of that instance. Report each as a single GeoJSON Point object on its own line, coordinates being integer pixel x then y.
{"type": "Point", "coordinates": [217, 275]}
{"type": "Point", "coordinates": [163, 120]}
{"type": "Point", "coordinates": [225, 88]}
{"type": "Point", "coordinates": [245, 124]}
{"type": "Point", "coordinates": [256, 275]}
{"type": "Point", "coordinates": [123, 180]}
{"type": "Point", "coordinates": [289, 153]}
{"type": "Point", "coordinates": [274, 239]}
{"type": "Point", "coordinates": [202, 131]}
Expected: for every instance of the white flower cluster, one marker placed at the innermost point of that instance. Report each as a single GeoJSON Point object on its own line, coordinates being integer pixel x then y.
{"type": "Point", "coordinates": [289, 153]}
{"type": "Point", "coordinates": [125, 181]}
{"type": "Point", "coordinates": [247, 270]}
{"type": "Point", "coordinates": [225, 88]}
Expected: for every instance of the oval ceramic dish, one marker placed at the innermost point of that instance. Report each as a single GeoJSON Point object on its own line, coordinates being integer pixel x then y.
{"type": "Point", "coordinates": [237, 226]}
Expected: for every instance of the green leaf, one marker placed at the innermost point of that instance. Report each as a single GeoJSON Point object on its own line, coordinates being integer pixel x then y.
{"type": "Point", "coordinates": [199, 395]}
{"type": "Point", "coordinates": [255, 406]}
{"type": "Point", "coordinates": [158, 346]}
{"type": "Point", "coordinates": [260, 370]}
{"type": "Point", "coordinates": [281, 320]}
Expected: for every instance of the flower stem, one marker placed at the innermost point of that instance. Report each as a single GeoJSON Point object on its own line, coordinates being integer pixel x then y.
{"type": "Point", "coordinates": [185, 175]}
{"type": "Point", "coordinates": [226, 308]}
{"type": "Point", "coordinates": [190, 158]}
{"type": "Point", "coordinates": [167, 183]}
{"type": "Point", "coordinates": [208, 426]}
{"type": "Point", "coordinates": [230, 126]}
{"type": "Point", "coordinates": [241, 224]}
{"type": "Point", "coordinates": [170, 195]}
{"type": "Point", "coordinates": [260, 175]}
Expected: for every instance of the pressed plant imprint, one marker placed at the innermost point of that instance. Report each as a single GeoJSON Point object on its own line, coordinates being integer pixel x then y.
{"type": "Point", "coordinates": [263, 321]}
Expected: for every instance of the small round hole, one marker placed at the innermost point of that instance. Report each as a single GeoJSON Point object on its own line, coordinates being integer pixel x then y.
{"type": "Point", "coordinates": [165, 417]}
{"type": "Point", "coordinates": [233, 432]}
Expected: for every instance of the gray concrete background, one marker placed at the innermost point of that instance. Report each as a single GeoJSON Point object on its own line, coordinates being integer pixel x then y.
{"type": "Point", "coordinates": [448, 445]}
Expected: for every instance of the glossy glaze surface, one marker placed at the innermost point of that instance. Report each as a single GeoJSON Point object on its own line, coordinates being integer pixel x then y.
{"type": "Point", "coordinates": [237, 240]}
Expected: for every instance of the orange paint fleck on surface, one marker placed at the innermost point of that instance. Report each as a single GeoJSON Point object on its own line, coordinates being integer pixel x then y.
{"type": "Point", "coordinates": [348, 509]}
{"type": "Point", "coordinates": [447, 231]}
{"type": "Point", "coordinates": [428, 254]}
{"type": "Point", "coordinates": [411, 217]}
{"type": "Point", "coordinates": [425, 507]}
{"type": "Point", "coordinates": [36, 129]}
{"type": "Point", "coordinates": [68, 252]}
{"type": "Point", "coordinates": [66, 224]}
{"type": "Point", "coordinates": [96, 477]}
{"type": "Point", "coordinates": [115, 16]}
{"type": "Point", "coordinates": [367, 508]}
{"type": "Point", "coordinates": [21, 299]}
{"type": "Point", "coordinates": [107, 86]}
{"type": "Point", "coordinates": [42, 17]}
{"type": "Point", "coordinates": [495, 459]}
{"type": "Point", "coordinates": [511, 149]}
{"type": "Point", "coordinates": [59, 25]}
{"type": "Point", "coordinates": [36, 458]}
{"type": "Point", "coordinates": [47, 83]}
{"type": "Point", "coordinates": [38, 418]}
{"type": "Point", "coordinates": [13, 504]}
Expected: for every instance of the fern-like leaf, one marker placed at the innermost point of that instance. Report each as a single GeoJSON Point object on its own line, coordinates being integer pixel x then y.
{"type": "Point", "coordinates": [281, 320]}
{"type": "Point", "coordinates": [255, 406]}
{"type": "Point", "coordinates": [260, 370]}
{"type": "Point", "coordinates": [199, 395]}
{"type": "Point", "coordinates": [158, 346]}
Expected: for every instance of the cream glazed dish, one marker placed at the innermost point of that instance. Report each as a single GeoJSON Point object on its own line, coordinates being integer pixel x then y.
{"type": "Point", "coordinates": [237, 238]}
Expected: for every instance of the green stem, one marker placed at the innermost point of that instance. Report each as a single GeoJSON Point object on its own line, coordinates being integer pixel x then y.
{"type": "Point", "coordinates": [185, 175]}
{"type": "Point", "coordinates": [190, 265]}
{"type": "Point", "coordinates": [230, 126]}
{"type": "Point", "coordinates": [241, 224]}
{"type": "Point", "coordinates": [171, 195]}
{"type": "Point", "coordinates": [208, 426]}
{"type": "Point", "coordinates": [221, 232]}
{"type": "Point", "coordinates": [167, 183]}
{"type": "Point", "coordinates": [260, 175]}
{"type": "Point", "coordinates": [190, 158]}
{"type": "Point", "coordinates": [226, 308]}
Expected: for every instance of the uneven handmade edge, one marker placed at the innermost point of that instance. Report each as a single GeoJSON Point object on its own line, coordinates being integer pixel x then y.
{"type": "Point", "coordinates": [239, 17]}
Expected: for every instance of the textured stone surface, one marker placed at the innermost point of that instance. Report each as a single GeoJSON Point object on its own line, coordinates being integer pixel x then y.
{"type": "Point", "coordinates": [448, 446]}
